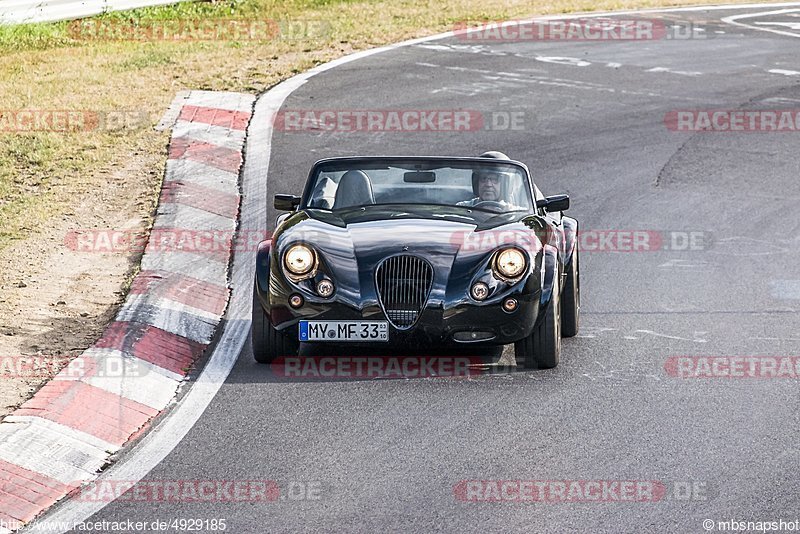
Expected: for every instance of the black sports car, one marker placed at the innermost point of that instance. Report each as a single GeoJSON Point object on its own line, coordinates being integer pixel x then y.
{"type": "Point", "coordinates": [422, 252]}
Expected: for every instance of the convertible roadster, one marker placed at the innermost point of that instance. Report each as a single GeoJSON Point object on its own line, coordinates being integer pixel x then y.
{"type": "Point", "coordinates": [421, 252]}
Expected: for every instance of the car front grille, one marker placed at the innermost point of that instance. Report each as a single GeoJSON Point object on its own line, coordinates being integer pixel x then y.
{"type": "Point", "coordinates": [404, 283]}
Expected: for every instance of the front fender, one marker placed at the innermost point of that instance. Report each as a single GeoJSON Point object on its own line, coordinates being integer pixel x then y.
{"type": "Point", "coordinates": [570, 238]}
{"type": "Point", "coordinates": [263, 271]}
{"type": "Point", "coordinates": [550, 270]}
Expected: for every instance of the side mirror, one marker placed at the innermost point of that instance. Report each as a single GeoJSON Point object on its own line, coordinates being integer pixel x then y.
{"type": "Point", "coordinates": [554, 203]}
{"type": "Point", "coordinates": [286, 202]}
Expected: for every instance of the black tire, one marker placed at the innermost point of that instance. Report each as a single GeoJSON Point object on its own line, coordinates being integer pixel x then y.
{"type": "Point", "coordinates": [571, 299]}
{"type": "Point", "coordinates": [542, 349]}
{"type": "Point", "coordinates": [267, 342]}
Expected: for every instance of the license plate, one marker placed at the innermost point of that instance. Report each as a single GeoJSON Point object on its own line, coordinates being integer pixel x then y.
{"type": "Point", "coordinates": [344, 331]}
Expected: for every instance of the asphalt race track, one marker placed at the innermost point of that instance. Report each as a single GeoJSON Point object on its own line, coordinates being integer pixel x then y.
{"type": "Point", "coordinates": [386, 455]}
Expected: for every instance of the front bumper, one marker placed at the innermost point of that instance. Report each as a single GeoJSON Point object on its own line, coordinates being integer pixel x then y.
{"type": "Point", "coordinates": [488, 323]}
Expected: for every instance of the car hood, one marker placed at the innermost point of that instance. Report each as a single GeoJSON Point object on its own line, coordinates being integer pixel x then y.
{"type": "Point", "coordinates": [352, 243]}
{"type": "Point", "coordinates": [422, 230]}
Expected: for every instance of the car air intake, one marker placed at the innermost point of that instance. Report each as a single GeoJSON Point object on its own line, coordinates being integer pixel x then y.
{"type": "Point", "coordinates": [404, 283]}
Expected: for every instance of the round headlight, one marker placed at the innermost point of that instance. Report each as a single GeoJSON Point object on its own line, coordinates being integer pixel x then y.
{"type": "Point", "coordinates": [299, 259]}
{"type": "Point", "coordinates": [511, 263]}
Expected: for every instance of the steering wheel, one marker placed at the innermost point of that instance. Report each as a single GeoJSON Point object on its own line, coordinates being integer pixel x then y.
{"type": "Point", "coordinates": [490, 205]}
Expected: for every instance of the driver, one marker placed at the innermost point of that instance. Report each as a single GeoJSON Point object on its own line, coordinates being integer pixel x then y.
{"type": "Point", "coordinates": [488, 184]}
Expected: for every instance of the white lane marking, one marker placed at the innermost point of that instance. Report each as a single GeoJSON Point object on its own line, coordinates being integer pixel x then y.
{"type": "Point", "coordinates": [161, 441]}
{"type": "Point", "coordinates": [785, 72]}
{"type": "Point", "coordinates": [785, 289]}
{"type": "Point", "coordinates": [485, 49]}
{"type": "Point", "coordinates": [698, 336]}
{"type": "Point", "coordinates": [790, 25]}
{"type": "Point", "coordinates": [656, 334]}
{"type": "Point", "coordinates": [477, 87]}
{"type": "Point", "coordinates": [472, 49]}
{"type": "Point", "coordinates": [746, 246]}
{"type": "Point", "coordinates": [497, 84]}
{"type": "Point", "coordinates": [698, 265]}
{"type": "Point", "coordinates": [781, 100]}
{"type": "Point", "coordinates": [734, 20]}
{"type": "Point", "coordinates": [572, 61]}
{"type": "Point", "coordinates": [593, 331]}
{"type": "Point", "coordinates": [670, 71]}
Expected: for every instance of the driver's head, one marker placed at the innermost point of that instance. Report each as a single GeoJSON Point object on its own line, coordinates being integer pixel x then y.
{"type": "Point", "coordinates": [489, 184]}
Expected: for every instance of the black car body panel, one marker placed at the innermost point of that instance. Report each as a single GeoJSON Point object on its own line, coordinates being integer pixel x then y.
{"type": "Point", "coordinates": [458, 243]}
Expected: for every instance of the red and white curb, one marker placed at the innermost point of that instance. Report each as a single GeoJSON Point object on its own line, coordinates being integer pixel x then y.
{"type": "Point", "coordinates": [66, 433]}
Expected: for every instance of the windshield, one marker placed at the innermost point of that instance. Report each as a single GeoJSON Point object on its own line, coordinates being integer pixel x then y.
{"type": "Point", "coordinates": [490, 186]}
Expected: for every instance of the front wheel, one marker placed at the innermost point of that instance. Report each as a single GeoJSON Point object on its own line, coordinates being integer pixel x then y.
{"type": "Point", "coordinates": [542, 349]}
{"type": "Point", "coordinates": [268, 343]}
{"type": "Point", "coordinates": [571, 304]}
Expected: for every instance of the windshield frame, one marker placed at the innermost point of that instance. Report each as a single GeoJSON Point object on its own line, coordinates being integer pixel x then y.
{"type": "Point", "coordinates": [343, 163]}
